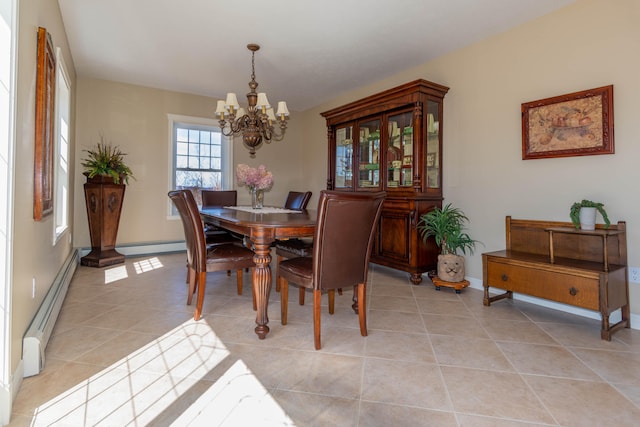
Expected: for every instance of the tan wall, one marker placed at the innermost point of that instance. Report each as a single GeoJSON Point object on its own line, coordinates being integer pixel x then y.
{"type": "Point", "coordinates": [34, 255]}
{"type": "Point", "coordinates": [589, 44]}
{"type": "Point", "coordinates": [136, 119]}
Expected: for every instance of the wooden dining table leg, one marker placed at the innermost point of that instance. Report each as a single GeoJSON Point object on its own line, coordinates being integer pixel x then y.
{"type": "Point", "coordinates": [262, 282]}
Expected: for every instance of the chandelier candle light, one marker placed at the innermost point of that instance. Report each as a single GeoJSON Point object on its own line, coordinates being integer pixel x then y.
{"type": "Point", "coordinates": [257, 124]}
{"type": "Point", "coordinates": [257, 180]}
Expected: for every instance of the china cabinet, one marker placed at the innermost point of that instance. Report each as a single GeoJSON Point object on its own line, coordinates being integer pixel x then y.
{"type": "Point", "coordinates": [392, 141]}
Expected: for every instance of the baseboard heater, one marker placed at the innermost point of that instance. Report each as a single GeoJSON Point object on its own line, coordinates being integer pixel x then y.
{"type": "Point", "coordinates": [37, 336]}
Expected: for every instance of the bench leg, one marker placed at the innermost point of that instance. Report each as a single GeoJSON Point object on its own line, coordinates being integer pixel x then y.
{"type": "Point", "coordinates": [488, 300]}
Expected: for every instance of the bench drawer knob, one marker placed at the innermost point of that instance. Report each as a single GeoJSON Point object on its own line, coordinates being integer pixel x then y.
{"type": "Point", "coordinates": [573, 291]}
{"type": "Point", "coordinates": [504, 277]}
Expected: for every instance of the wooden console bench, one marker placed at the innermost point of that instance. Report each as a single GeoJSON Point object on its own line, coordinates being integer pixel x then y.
{"type": "Point", "coordinates": [555, 261]}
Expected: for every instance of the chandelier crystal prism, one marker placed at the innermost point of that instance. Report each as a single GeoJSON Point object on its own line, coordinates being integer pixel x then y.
{"type": "Point", "coordinates": [259, 123]}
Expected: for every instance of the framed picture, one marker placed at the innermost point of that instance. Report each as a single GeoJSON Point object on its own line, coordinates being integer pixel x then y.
{"type": "Point", "coordinates": [576, 124]}
{"type": "Point", "coordinates": [45, 110]}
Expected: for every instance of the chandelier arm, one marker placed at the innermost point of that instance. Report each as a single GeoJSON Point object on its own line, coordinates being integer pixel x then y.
{"type": "Point", "coordinates": [278, 133]}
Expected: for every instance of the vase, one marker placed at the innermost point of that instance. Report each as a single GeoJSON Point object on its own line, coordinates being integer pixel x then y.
{"type": "Point", "coordinates": [451, 268]}
{"type": "Point", "coordinates": [588, 218]}
{"type": "Point", "coordinates": [257, 198]}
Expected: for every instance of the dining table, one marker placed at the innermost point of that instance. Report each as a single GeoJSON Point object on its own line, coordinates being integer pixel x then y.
{"type": "Point", "coordinates": [262, 226]}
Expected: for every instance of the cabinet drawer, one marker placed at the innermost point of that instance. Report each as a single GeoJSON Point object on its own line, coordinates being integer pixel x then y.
{"type": "Point", "coordinates": [565, 288]}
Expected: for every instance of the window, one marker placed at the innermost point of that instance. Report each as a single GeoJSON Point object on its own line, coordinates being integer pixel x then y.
{"type": "Point", "coordinates": [61, 181]}
{"type": "Point", "coordinates": [200, 156]}
{"type": "Point", "coordinates": [8, 66]}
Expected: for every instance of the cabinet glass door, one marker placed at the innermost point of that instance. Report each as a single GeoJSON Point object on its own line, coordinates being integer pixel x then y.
{"type": "Point", "coordinates": [400, 151]}
{"type": "Point", "coordinates": [433, 144]}
{"type": "Point", "coordinates": [344, 157]}
{"type": "Point", "coordinates": [369, 160]}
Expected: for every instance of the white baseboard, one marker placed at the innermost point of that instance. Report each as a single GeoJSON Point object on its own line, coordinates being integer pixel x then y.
{"type": "Point", "coordinates": [616, 316]}
{"type": "Point", "coordinates": [140, 249]}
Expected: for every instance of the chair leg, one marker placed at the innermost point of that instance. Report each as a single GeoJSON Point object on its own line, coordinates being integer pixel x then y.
{"type": "Point", "coordinates": [228, 273]}
{"type": "Point", "coordinates": [362, 309]}
{"type": "Point", "coordinates": [191, 280]}
{"type": "Point", "coordinates": [317, 299]}
{"type": "Point", "coordinates": [301, 295]}
{"type": "Point", "coordinates": [339, 291]}
{"type": "Point", "coordinates": [201, 284]}
{"type": "Point", "coordinates": [239, 281]}
{"type": "Point", "coordinates": [332, 300]}
{"type": "Point", "coordinates": [278, 261]}
{"type": "Point", "coordinates": [284, 299]}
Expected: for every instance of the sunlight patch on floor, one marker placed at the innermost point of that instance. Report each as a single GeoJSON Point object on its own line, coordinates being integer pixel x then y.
{"type": "Point", "coordinates": [236, 399]}
{"type": "Point", "coordinates": [147, 265]}
{"type": "Point", "coordinates": [144, 386]}
{"type": "Point", "coordinates": [114, 274]}
{"type": "Point", "coordinates": [120, 272]}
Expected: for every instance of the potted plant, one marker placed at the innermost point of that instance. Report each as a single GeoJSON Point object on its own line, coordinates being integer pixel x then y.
{"type": "Point", "coordinates": [583, 214]}
{"type": "Point", "coordinates": [106, 161]}
{"type": "Point", "coordinates": [447, 226]}
{"type": "Point", "coordinates": [107, 175]}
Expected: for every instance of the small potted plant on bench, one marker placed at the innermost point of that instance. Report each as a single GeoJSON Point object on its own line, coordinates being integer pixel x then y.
{"type": "Point", "coordinates": [447, 226]}
{"type": "Point", "coordinates": [583, 214]}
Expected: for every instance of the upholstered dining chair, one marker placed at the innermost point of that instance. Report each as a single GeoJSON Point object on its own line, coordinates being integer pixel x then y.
{"type": "Point", "coordinates": [342, 217]}
{"type": "Point", "coordinates": [296, 200]}
{"type": "Point", "coordinates": [203, 259]}
{"type": "Point", "coordinates": [219, 198]}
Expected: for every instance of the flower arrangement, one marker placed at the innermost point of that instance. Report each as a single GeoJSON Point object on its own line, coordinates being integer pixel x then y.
{"type": "Point", "coordinates": [254, 178]}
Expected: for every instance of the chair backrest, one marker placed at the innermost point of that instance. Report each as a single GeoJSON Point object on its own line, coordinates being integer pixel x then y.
{"type": "Point", "coordinates": [212, 198]}
{"type": "Point", "coordinates": [193, 228]}
{"type": "Point", "coordinates": [344, 235]}
{"type": "Point", "coordinates": [297, 200]}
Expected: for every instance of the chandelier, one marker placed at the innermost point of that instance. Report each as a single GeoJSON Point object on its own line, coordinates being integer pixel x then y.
{"type": "Point", "coordinates": [258, 123]}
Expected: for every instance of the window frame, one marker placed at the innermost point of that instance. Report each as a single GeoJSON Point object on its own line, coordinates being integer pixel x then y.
{"type": "Point", "coordinates": [226, 154]}
{"type": "Point", "coordinates": [62, 180]}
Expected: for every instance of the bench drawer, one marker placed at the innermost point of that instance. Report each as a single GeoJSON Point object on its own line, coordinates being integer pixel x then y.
{"type": "Point", "coordinates": [561, 287]}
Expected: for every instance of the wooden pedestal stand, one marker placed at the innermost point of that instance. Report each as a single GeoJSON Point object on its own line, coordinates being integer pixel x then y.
{"type": "Point", "coordinates": [458, 286]}
{"type": "Point", "coordinates": [104, 203]}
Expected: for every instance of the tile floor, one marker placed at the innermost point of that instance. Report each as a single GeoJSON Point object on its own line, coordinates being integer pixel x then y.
{"type": "Point", "coordinates": [126, 352]}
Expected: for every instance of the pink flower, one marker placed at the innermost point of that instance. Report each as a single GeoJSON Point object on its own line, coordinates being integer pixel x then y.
{"type": "Point", "coordinates": [259, 177]}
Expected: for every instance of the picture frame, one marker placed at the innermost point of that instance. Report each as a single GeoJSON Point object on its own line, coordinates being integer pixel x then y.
{"type": "Point", "coordinates": [45, 124]}
{"type": "Point", "coordinates": [575, 124]}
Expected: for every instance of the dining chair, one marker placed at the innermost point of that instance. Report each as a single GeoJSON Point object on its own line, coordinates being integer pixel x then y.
{"type": "Point", "coordinates": [297, 200]}
{"type": "Point", "coordinates": [291, 248]}
{"type": "Point", "coordinates": [219, 198]}
{"type": "Point", "coordinates": [203, 259]}
{"type": "Point", "coordinates": [342, 217]}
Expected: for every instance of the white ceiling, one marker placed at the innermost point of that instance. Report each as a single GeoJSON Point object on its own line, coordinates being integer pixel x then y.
{"type": "Point", "coordinates": [311, 51]}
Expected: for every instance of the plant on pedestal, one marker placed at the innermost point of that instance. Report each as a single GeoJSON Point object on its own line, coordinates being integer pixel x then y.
{"type": "Point", "coordinates": [106, 174]}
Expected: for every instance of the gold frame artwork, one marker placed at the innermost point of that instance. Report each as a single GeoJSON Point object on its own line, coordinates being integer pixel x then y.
{"type": "Point", "coordinates": [576, 124]}
{"type": "Point", "coordinates": [45, 124]}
